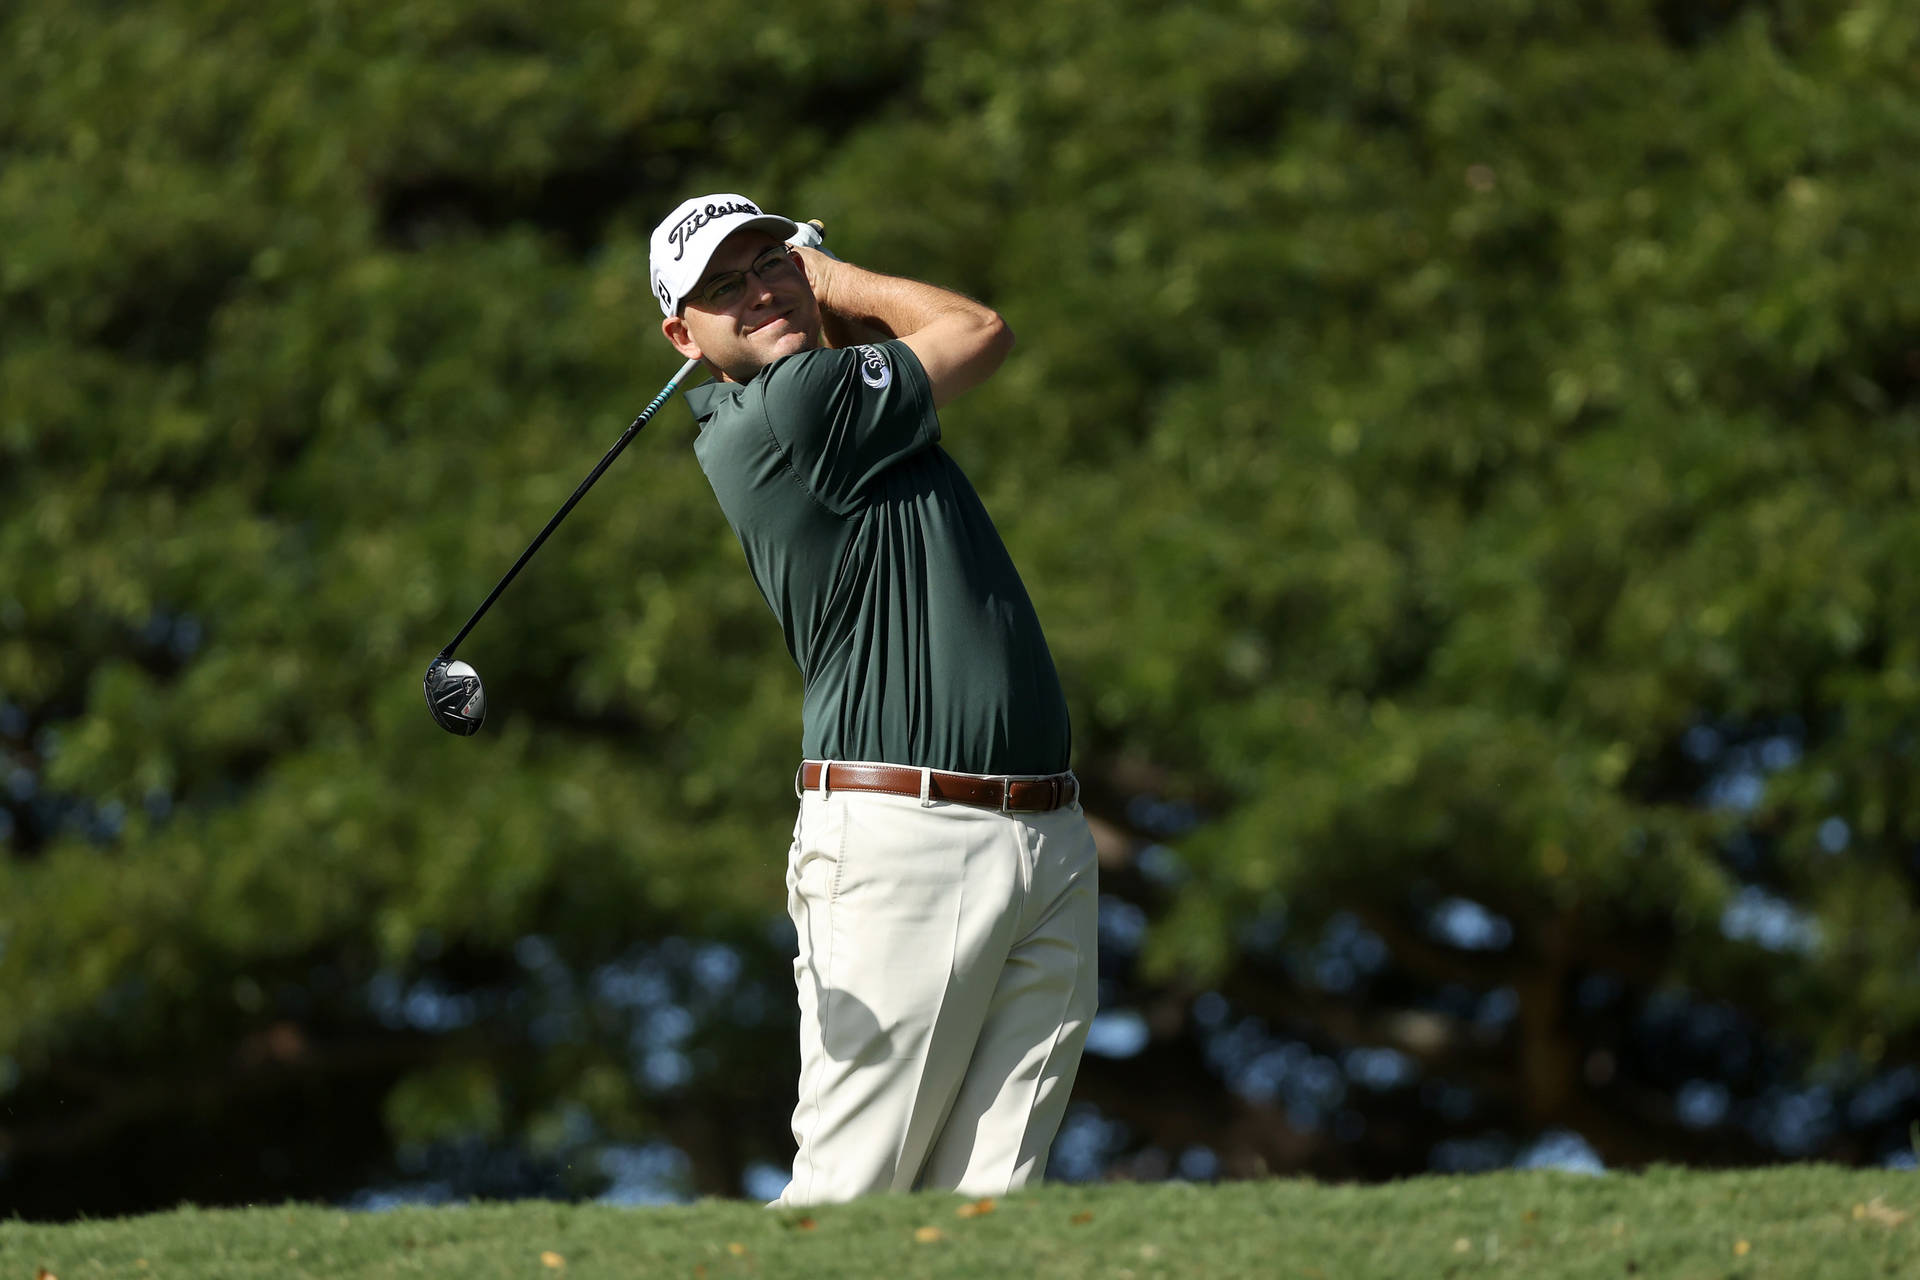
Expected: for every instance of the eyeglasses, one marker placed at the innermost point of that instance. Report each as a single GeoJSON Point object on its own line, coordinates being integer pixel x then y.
{"type": "Point", "coordinates": [723, 290]}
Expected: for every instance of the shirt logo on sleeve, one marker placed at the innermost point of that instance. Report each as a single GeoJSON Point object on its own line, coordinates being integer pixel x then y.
{"type": "Point", "coordinates": [875, 371]}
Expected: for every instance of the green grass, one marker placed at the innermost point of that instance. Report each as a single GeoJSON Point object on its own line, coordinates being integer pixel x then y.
{"type": "Point", "coordinates": [1797, 1221]}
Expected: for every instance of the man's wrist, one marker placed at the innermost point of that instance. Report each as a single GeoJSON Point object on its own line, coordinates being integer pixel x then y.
{"type": "Point", "coordinates": [845, 320]}
{"type": "Point", "coordinates": [819, 267]}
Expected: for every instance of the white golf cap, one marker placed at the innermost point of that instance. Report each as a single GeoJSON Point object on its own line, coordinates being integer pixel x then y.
{"type": "Point", "coordinates": [687, 237]}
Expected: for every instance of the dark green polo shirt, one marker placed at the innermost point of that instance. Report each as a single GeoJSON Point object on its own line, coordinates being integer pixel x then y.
{"type": "Point", "coordinates": [914, 636]}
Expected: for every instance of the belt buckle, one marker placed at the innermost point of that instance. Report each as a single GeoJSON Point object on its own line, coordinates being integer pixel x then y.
{"type": "Point", "coordinates": [1006, 794]}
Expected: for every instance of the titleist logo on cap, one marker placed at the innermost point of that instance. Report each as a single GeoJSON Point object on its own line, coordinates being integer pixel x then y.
{"type": "Point", "coordinates": [699, 218]}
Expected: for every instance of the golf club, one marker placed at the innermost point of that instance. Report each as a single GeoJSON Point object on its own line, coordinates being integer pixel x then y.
{"type": "Point", "coordinates": [454, 693]}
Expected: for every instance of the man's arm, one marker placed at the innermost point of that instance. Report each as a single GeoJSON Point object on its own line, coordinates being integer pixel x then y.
{"type": "Point", "coordinates": [958, 341]}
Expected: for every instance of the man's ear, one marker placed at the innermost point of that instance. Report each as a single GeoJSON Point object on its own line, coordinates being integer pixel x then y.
{"type": "Point", "coordinates": [675, 327]}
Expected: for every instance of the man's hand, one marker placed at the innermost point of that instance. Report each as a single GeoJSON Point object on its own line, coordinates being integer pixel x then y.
{"type": "Point", "coordinates": [836, 328]}
{"type": "Point", "coordinates": [958, 341]}
{"type": "Point", "coordinates": [811, 235]}
{"type": "Point", "coordinates": [839, 327]}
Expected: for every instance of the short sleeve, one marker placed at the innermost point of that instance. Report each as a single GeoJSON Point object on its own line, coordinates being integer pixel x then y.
{"type": "Point", "coordinates": [845, 415]}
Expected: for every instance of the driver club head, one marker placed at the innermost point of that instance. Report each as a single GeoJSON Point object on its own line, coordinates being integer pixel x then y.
{"type": "Point", "coordinates": [454, 696]}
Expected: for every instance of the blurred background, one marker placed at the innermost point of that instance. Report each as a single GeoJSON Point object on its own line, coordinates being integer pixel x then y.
{"type": "Point", "coordinates": [1464, 456]}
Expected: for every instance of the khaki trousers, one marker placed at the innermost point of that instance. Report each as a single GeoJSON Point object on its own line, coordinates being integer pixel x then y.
{"type": "Point", "coordinates": [946, 976]}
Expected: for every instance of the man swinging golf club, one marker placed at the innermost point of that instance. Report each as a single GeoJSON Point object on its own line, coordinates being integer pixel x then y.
{"type": "Point", "coordinates": [942, 876]}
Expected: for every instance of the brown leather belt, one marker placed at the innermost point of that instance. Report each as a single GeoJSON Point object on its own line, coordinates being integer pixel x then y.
{"type": "Point", "coordinates": [1009, 793]}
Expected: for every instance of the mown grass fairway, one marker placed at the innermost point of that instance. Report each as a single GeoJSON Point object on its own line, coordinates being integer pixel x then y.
{"type": "Point", "coordinates": [1806, 1221]}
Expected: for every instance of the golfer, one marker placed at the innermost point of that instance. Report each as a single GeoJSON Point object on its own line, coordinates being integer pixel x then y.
{"type": "Point", "coordinates": [942, 876]}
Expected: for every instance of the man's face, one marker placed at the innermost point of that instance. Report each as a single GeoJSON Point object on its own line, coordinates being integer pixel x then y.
{"type": "Point", "coordinates": [752, 306]}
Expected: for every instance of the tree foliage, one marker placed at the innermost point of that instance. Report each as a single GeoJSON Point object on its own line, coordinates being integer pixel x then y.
{"type": "Point", "coordinates": [1465, 462]}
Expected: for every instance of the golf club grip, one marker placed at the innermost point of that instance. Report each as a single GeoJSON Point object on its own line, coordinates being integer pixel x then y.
{"type": "Point", "coordinates": [653, 406]}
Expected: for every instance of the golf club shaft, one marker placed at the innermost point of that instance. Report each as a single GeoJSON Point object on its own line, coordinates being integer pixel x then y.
{"type": "Point", "coordinates": [665, 393]}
